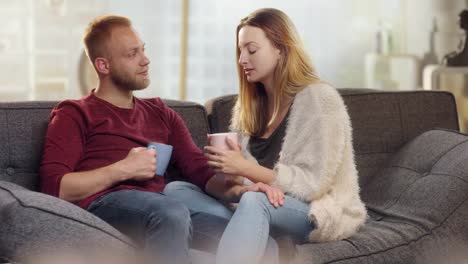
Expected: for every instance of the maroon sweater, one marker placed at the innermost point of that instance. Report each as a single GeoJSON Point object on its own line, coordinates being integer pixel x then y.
{"type": "Point", "coordinates": [91, 133]}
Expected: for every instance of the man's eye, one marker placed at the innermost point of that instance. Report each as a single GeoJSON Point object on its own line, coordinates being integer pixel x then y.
{"type": "Point", "coordinates": [252, 51]}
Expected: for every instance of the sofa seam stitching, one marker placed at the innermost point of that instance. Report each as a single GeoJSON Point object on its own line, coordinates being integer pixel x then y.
{"type": "Point", "coordinates": [8, 138]}
{"type": "Point", "coordinates": [428, 232]}
{"type": "Point", "coordinates": [449, 150]}
{"type": "Point", "coordinates": [425, 174]}
{"type": "Point", "coordinates": [403, 135]}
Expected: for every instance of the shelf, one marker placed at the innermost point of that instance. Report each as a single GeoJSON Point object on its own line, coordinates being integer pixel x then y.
{"type": "Point", "coordinates": [433, 72]}
{"type": "Point", "coordinates": [391, 71]}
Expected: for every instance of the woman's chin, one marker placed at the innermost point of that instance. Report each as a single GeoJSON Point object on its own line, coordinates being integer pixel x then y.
{"type": "Point", "coordinates": [251, 79]}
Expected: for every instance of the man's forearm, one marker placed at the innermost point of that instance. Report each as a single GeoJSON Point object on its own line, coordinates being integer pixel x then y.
{"type": "Point", "coordinates": [75, 186]}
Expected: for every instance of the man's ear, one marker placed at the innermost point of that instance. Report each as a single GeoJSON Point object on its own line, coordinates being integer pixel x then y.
{"type": "Point", "coordinates": [102, 65]}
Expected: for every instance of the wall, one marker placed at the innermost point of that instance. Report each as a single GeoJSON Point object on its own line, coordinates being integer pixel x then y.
{"type": "Point", "coordinates": [338, 35]}
{"type": "Point", "coordinates": [40, 40]}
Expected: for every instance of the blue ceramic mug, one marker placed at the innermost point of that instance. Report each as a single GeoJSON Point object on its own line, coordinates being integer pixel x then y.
{"type": "Point", "coordinates": [163, 156]}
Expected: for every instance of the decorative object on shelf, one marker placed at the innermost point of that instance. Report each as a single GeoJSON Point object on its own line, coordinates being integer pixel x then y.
{"type": "Point", "coordinates": [452, 79]}
{"type": "Point", "coordinates": [384, 40]}
{"type": "Point", "coordinates": [392, 72]}
{"type": "Point", "coordinates": [433, 72]}
{"type": "Point", "coordinates": [430, 57]}
{"type": "Point", "coordinates": [459, 59]}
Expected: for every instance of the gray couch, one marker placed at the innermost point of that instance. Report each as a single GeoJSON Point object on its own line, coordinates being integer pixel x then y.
{"type": "Point", "coordinates": [412, 162]}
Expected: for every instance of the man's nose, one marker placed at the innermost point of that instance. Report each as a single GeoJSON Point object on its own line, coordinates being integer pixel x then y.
{"type": "Point", "coordinates": [145, 60]}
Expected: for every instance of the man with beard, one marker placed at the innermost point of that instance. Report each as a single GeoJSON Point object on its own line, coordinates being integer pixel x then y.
{"type": "Point", "coordinates": [95, 151]}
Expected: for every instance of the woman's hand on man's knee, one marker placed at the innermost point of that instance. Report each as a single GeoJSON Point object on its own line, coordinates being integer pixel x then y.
{"type": "Point", "coordinates": [274, 194]}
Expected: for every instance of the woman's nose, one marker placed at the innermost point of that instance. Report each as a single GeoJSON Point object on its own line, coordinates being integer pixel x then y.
{"type": "Point", "coordinates": [242, 59]}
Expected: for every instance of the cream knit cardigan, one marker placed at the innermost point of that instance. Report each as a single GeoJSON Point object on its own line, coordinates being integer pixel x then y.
{"type": "Point", "coordinates": [316, 162]}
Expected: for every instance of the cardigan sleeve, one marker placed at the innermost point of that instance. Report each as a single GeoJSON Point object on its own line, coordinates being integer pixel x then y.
{"type": "Point", "coordinates": [314, 143]}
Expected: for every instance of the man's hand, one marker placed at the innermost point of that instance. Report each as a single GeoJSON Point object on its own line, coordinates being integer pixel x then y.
{"type": "Point", "coordinates": [140, 164]}
{"type": "Point", "coordinates": [275, 195]}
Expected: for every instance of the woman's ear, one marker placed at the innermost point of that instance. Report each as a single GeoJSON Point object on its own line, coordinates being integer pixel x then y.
{"type": "Point", "coordinates": [278, 53]}
{"type": "Point", "coordinates": [102, 65]}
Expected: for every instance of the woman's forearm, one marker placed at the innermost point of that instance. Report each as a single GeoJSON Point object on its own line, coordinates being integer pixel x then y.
{"type": "Point", "coordinates": [257, 173]}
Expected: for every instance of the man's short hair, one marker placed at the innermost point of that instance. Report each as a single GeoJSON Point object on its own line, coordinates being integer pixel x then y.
{"type": "Point", "coordinates": [98, 33]}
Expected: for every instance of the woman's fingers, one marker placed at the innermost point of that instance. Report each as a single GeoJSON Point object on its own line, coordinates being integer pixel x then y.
{"type": "Point", "coordinates": [275, 195]}
{"type": "Point", "coordinates": [214, 150]}
{"type": "Point", "coordinates": [274, 198]}
{"type": "Point", "coordinates": [213, 157]}
{"type": "Point", "coordinates": [215, 164]}
{"type": "Point", "coordinates": [232, 145]}
{"type": "Point", "coordinates": [280, 197]}
{"type": "Point", "coordinates": [269, 193]}
{"type": "Point", "coordinates": [216, 161]}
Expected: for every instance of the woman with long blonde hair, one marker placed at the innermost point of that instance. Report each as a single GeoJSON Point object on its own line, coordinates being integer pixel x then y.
{"type": "Point", "coordinates": [296, 157]}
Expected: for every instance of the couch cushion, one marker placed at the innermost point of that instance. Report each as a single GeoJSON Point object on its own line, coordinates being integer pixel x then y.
{"type": "Point", "coordinates": [418, 206]}
{"type": "Point", "coordinates": [22, 130]}
{"type": "Point", "coordinates": [23, 126]}
{"type": "Point", "coordinates": [34, 224]}
{"type": "Point", "coordinates": [384, 121]}
{"type": "Point", "coordinates": [195, 118]}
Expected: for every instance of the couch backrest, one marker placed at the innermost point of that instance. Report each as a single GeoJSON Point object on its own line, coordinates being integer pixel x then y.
{"type": "Point", "coordinates": [23, 126]}
{"type": "Point", "coordinates": [382, 121]}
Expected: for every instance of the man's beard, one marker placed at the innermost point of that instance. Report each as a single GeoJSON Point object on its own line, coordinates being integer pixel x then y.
{"type": "Point", "coordinates": [125, 81]}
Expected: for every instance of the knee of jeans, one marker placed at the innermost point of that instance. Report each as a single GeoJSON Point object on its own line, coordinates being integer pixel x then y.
{"type": "Point", "coordinates": [176, 212]}
{"type": "Point", "coordinates": [254, 199]}
{"type": "Point", "coordinates": [176, 186]}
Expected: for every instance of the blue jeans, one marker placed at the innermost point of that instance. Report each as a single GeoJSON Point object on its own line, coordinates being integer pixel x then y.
{"type": "Point", "coordinates": [196, 200]}
{"type": "Point", "coordinates": [241, 248]}
{"type": "Point", "coordinates": [161, 225]}
{"type": "Point", "coordinates": [246, 235]}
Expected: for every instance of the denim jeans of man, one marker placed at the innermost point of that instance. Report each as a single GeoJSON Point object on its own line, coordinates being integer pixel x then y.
{"type": "Point", "coordinates": [160, 225]}
{"type": "Point", "coordinates": [241, 248]}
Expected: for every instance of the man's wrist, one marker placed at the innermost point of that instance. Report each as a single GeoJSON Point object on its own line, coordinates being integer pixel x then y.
{"type": "Point", "coordinates": [118, 172]}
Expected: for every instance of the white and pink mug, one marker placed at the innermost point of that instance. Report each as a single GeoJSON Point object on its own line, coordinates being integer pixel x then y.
{"type": "Point", "coordinates": [219, 140]}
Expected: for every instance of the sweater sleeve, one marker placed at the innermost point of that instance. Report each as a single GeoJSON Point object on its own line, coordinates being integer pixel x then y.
{"type": "Point", "coordinates": [314, 144]}
{"type": "Point", "coordinates": [187, 156]}
{"type": "Point", "coordinates": [63, 148]}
